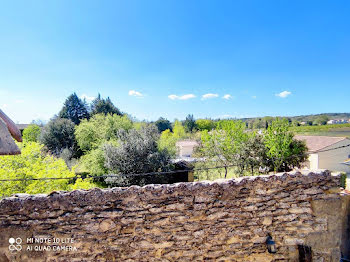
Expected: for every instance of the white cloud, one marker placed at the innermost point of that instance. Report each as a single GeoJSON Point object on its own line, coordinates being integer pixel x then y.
{"type": "Point", "coordinates": [208, 96]}
{"type": "Point", "coordinates": [284, 94]}
{"type": "Point", "coordinates": [184, 97]}
{"type": "Point", "coordinates": [135, 93]}
{"type": "Point", "coordinates": [227, 96]}
{"type": "Point", "coordinates": [19, 101]}
{"type": "Point", "coordinates": [254, 97]}
{"type": "Point", "coordinates": [4, 106]}
{"type": "Point", "coordinates": [87, 98]}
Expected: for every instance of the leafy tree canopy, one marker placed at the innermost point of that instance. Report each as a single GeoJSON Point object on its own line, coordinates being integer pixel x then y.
{"type": "Point", "coordinates": [226, 143]}
{"type": "Point", "coordinates": [321, 120]}
{"type": "Point", "coordinates": [205, 124]}
{"type": "Point", "coordinates": [163, 124]}
{"type": "Point", "coordinates": [90, 134]}
{"type": "Point", "coordinates": [168, 139]}
{"type": "Point", "coordinates": [190, 123]}
{"type": "Point", "coordinates": [93, 134]}
{"type": "Point", "coordinates": [58, 135]}
{"type": "Point", "coordinates": [137, 152]}
{"type": "Point", "coordinates": [283, 151]}
{"type": "Point", "coordinates": [31, 133]}
{"type": "Point", "coordinates": [32, 163]}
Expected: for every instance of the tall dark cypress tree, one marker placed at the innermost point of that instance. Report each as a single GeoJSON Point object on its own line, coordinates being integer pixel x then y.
{"type": "Point", "coordinates": [189, 123]}
{"type": "Point", "coordinates": [74, 109]}
{"type": "Point", "coordinates": [104, 106]}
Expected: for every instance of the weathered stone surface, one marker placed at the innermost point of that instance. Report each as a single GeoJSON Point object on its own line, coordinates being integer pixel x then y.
{"type": "Point", "coordinates": [225, 220]}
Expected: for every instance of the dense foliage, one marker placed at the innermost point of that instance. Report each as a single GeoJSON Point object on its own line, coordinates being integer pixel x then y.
{"type": "Point", "coordinates": [205, 124]}
{"type": "Point", "coordinates": [226, 143]}
{"type": "Point", "coordinates": [93, 134]}
{"type": "Point", "coordinates": [137, 152]}
{"type": "Point", "coordinates": [74, 109]}
{"type": "Point", "coordinates": [104, 106]}
{"type": "Point", "coordinates": [58, 135]}
{"type": "Point", "coordinates": [90, 134]}
{"type": "Point", "coordinates": [282, 150]}
{"type": "Point", "coordinates": [163, 124]}
{"type": "Point", "coordinates": [189, 124]}
{"type": "Point", "coordinates": [31, 133]}
{"type": "Point", "coordinates": [33, 163]}
{"type": "Point", "coordinates": [231, 144]}
{"type": "Point", "coordinates": [168, 139]}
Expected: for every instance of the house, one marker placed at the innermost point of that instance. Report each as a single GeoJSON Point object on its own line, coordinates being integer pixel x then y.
{"type": "Point", "coordinates": [332, 122]}
{"type": "Point", "coordinates": [330, 153]}
{"type": "Point", "coordinates": [8, 129]}
{"type": "Point", "coordinates": [185, 148]}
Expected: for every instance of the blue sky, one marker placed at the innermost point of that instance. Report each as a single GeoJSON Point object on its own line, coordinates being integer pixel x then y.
{"type": "Point", "coordinates": [159, 58]}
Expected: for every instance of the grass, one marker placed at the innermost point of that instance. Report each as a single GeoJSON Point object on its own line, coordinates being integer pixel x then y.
{"type": "Point", "coordinates": [327, 130]}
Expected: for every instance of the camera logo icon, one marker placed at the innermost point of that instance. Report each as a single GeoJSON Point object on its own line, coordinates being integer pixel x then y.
{"type": "Point", "coordinates": [15, 244]}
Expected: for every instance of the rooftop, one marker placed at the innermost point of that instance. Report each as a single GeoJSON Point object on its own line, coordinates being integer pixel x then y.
{"type": "Point", "coordinates": [317, 143]}
{"type": "Point", "coordinates": [8, 129]}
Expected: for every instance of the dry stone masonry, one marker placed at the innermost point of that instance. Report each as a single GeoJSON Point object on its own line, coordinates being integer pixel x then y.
{"type": "Point", "coordinates": [202, 221]}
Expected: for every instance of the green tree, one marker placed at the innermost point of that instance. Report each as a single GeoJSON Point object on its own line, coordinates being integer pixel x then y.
{"type": "Point", "coordinates": [31, 133]}
{"type": "Point", "coordinates": [104, 106]}
{"type": "Point", "coordinates": [254, 152]}
{"type": "Point", "coordinates": [93, 134]}
{"type": "Point", "coordinates": [259, 123]}
{"type": "Point", "coordinates": [321, 120]}
{"type": "Point", "coordinates": [179, 130]}
{"type": "Point", "coordinates": [74, 109]}
{"type": "Point", "coordinates": [99, 129]}
{"type": "Point", "coordinates": [283, 151]}
{"type": "Point", "coordinates": [93, 162]}
{"type": "Point", "coordinates": [205, 124]}
{"type": "Point", "coordinates": [189, 123]}
{"type": "Point", "coordinates": [168, 139]}
{"type": "Point", "coordinates": [163, 124]}
{"type": "Point", "coordinates": [137, 152]}
{"type": "Point", "coordinates": [225, 144]}
{"type": "Point", "coordinates": [58, 135]}
{"type": "Point", "coordinates": [32, 163]}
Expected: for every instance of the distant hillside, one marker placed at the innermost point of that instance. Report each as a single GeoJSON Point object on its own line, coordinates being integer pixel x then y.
{"type": "Point", "coordinates": [329, 115]}
{"type": "Point", "coordinates": [305, 118]}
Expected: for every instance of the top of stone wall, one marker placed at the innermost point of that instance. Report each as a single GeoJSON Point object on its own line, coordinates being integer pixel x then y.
{"type": "Point", "coordinates": [203, 191]}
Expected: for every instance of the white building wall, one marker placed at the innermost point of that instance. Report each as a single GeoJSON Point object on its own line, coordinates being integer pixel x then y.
{"type": "Point", "coordinates": [314, 162]}
{"type": "Point", "coordinates": [186, 151]}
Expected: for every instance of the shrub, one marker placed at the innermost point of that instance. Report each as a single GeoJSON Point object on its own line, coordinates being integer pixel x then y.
{"type": "Point", "coordinates": [32, 163]}
{"type": "Point", "coordinates": [92, 133]}
{"type": "Point", "coordinates": [205, 124]}
{"type": "Point", "coordinates": [137, 153]}
{"type": "Point", "coordinates": [31, 133]}
{"type": "Point", "coordinates": [163, 124]}
{"type": "Point", "coordinates": [168, 139]}
{"type": "Point", "coordinates": [58, 135]}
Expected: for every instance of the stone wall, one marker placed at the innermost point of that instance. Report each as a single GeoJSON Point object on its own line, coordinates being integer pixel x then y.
{"type": "Point", "coordinates": [212, 221]}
